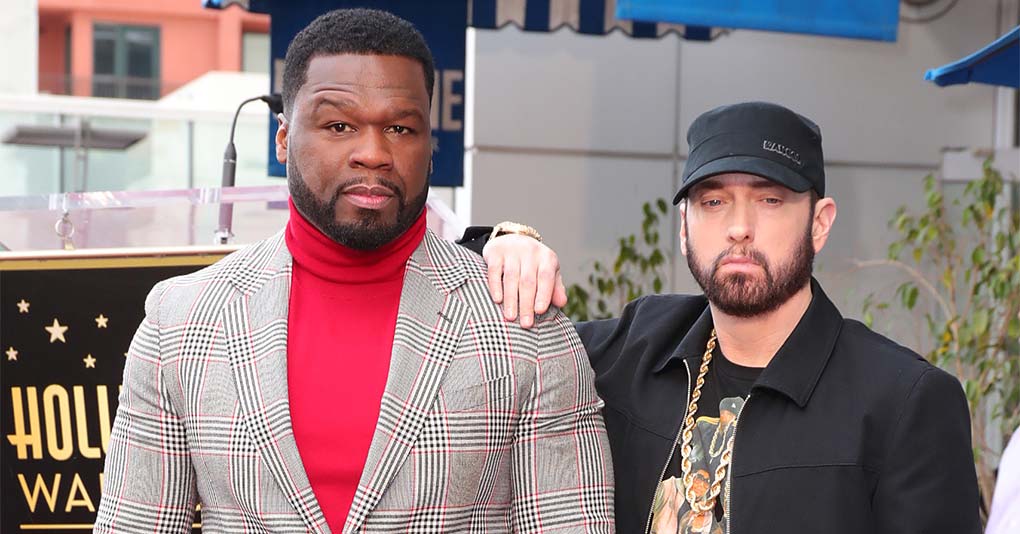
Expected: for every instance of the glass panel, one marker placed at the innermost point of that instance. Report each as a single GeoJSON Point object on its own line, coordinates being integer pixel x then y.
{"type": "Point", "coordinates": [142, 63]}
{"type": "Point", "coordinates": [158, 218]}
{"type": "Point", "coordinates": [126, 62]}
{"type": "Point", "coordinates": [141, 53]}
{"type": "Point", "coordinates": [173, 154]}
{"type": "Point", "coordinates": [29, 170]}
{"type": "Point", "coordinates": [104, 50]}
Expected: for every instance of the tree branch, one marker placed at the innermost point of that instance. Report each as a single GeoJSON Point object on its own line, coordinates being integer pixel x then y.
{"type": "Point", "coordinates": [918, 277]}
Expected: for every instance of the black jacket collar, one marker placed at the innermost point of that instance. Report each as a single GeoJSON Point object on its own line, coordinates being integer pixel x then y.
{"type": "Point", "coordinates": [796, 367]}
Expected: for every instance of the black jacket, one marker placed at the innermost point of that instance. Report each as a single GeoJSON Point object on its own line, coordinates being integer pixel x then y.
{"type": "Point", "coordinates": [844, 431]}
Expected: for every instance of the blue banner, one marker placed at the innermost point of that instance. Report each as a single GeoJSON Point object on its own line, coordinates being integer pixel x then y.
{"type": "Point", "coordinates": [860, 19]}
{"type": "Point", "coordinates": [444, 25]}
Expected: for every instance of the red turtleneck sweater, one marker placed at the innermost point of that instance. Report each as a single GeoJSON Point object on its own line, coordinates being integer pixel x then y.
{"type": "Point", "coordinates": [343, 311]}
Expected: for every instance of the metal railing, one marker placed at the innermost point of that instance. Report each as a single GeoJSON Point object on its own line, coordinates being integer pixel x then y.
{"type": "Point", "coordinates": [106, 86]}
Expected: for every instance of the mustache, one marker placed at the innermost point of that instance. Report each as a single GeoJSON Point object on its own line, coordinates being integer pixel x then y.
{"type": "Point", "coordinates": [375, 185]}
{"type": "Point", "coordinates": [754, 254]}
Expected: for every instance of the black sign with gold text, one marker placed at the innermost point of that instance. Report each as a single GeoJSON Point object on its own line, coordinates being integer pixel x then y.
{"type": "Point", "coordinates": [65, 327]}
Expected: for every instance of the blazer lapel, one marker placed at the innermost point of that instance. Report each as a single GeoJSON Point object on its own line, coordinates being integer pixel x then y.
{"type": "Point", "coordinates": [428, 332]}
{"type": "Point", "coordinates": [255, 326]}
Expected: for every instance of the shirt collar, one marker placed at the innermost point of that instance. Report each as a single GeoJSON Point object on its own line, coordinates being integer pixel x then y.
{"type": "Point", "coordinates": [795, 369]}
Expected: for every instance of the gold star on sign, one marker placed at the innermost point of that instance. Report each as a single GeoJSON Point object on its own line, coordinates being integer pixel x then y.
{"type": "Point", "coordinates": [12, 354]}
{"type": "Point", "coordinates": [101, 321]}
{"type": "Point", "coordinates": [56, 332]}
{"type": "Point", "coordinates": [89, 361]}
{"type": "Point", "coordinates": [23, 306]}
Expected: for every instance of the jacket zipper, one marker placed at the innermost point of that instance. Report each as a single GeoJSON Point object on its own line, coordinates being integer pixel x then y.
{"type": "Point", "coordinates": [687, 404]}
{"type": "Point", "coordinates": [729, 476]}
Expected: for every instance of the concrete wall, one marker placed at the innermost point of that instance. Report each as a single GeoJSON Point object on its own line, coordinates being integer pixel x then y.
{"type": "Point", "coordinates": [572, 133]}
{"type": "Point", "coordinates": [19, 24]}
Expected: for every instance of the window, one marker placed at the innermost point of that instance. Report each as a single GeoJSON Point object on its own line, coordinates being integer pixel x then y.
{"type": "Point", "coordinates": [125, 61]}
{"type": "Point", "coordinates": [255, 52]}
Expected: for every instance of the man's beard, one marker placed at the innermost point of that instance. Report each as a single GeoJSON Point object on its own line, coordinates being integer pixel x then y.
{"type": "Point", "coordinates": [744, 295]}
{"type": "Point", "coordinates": [369, 231]}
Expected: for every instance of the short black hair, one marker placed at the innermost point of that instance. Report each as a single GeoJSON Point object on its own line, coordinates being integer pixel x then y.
{"type": "Point", "coordinates": [358, 32]}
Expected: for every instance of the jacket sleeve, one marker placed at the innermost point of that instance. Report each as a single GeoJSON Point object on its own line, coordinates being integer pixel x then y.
{"type": "Point", "coordinates": [928, 482]}
{"type": "Point", "coordinates": [561, 465]}
{"type": "Point", "coordinates": [603, 339]}
{"type": "Point", "coordinates": [475, 238]}
{"type": "Point", "coordinates": [149, 481]}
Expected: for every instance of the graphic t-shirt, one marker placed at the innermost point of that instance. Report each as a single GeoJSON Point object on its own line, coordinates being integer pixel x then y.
{"type": "Point", "coordinates": [722, 397]}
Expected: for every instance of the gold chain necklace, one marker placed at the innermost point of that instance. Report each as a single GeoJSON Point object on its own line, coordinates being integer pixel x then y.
{"type": "Point", "coordinates": [708, 502]}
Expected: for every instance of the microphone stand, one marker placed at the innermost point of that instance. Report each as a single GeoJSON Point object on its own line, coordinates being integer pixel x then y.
{"type": "Point", "coordinates": [223, 231]}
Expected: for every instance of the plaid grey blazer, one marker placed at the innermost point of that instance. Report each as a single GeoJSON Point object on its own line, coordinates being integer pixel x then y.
{"type": "Point", "coordinates": [483, 427]}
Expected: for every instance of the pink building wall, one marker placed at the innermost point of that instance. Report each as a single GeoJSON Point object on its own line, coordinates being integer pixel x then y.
{"type": "Point", "coordinates": [193, 40]}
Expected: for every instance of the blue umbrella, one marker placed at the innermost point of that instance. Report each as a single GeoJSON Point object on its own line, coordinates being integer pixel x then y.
{"type": "Point", "coordinates": [996, 64]}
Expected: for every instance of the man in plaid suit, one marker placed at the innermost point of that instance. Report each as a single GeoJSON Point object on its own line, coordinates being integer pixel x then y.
{"type": "Point", "coordinates": [237, 388]}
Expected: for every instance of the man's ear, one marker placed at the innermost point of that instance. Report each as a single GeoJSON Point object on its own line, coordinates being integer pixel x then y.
{"type": "Point", "coordinates": [281, 138]}
{"type": "Point", "coordinates": [821, 225]}
{"type": "Point", "coordinates": [683, 227]}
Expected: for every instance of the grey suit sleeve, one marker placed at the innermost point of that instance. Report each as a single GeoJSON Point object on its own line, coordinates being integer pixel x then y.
{"type": "Point", "coordinates": [562, 469]}
{"type": "Point", "coordinates": [928, 483]}
{"type": "Point", "coordinates": [149, 481]}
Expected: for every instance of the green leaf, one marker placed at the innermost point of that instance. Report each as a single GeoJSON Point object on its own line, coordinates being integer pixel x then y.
{"type": "Point", "coordinates": [918, 253]}
{"type": "Point", "coordinates": [661, 204]}
{"type": "Point", "coordinates": [657, 285]}
{"type": "Point", "coordinates": [894, 250]}
{"type": "Point", "coordinates": [965, 336]}
{"type": "Point", "coordinates": [901, 218]}
{"type": "Point", "coordinates": [980, 322]}
{"type": "Point", "coordinates": [869, 319]}
{"type": "Point", "coordinates": [910, 297]}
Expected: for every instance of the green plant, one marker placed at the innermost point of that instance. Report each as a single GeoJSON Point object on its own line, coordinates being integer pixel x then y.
{"type": "Point", "coordinates": [637, 270]}
{"type": "Point", "coordinates": [968, 269]}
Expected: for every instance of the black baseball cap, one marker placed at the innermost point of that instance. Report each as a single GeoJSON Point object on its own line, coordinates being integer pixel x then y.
{"type": "Point", "coordinates": [757, 138]}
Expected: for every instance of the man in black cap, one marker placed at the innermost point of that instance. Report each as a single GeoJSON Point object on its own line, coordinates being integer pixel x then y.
{"type": "Point", "coordinates": [757, 407]}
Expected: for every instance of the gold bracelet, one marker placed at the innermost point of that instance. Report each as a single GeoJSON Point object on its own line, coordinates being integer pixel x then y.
{"type": "Point", "coordinates": [509, 227]}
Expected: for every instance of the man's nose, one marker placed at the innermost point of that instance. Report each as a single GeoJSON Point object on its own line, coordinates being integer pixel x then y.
{"type": "Point", "coordinates": [372, 152]}
{"type": "Point", "coordinates": [741, 223]}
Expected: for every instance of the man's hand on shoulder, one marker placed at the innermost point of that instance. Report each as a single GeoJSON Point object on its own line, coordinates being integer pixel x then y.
{"type": "Point", "coordinates": [524, 276]}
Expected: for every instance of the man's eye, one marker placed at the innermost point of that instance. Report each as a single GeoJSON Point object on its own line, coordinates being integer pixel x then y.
{"type": "Point", "coordinates": [340, 127]}
{"type": "Point", "coordinates": [711, 203]}
{"type": "Point", "coordinates": [400, 130]}
{"type": "Point", "coordinates": [773, 201]}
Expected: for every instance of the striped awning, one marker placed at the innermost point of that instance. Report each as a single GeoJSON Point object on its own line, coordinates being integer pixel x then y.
{"type": "Point", "coordinates": [591, 17]}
